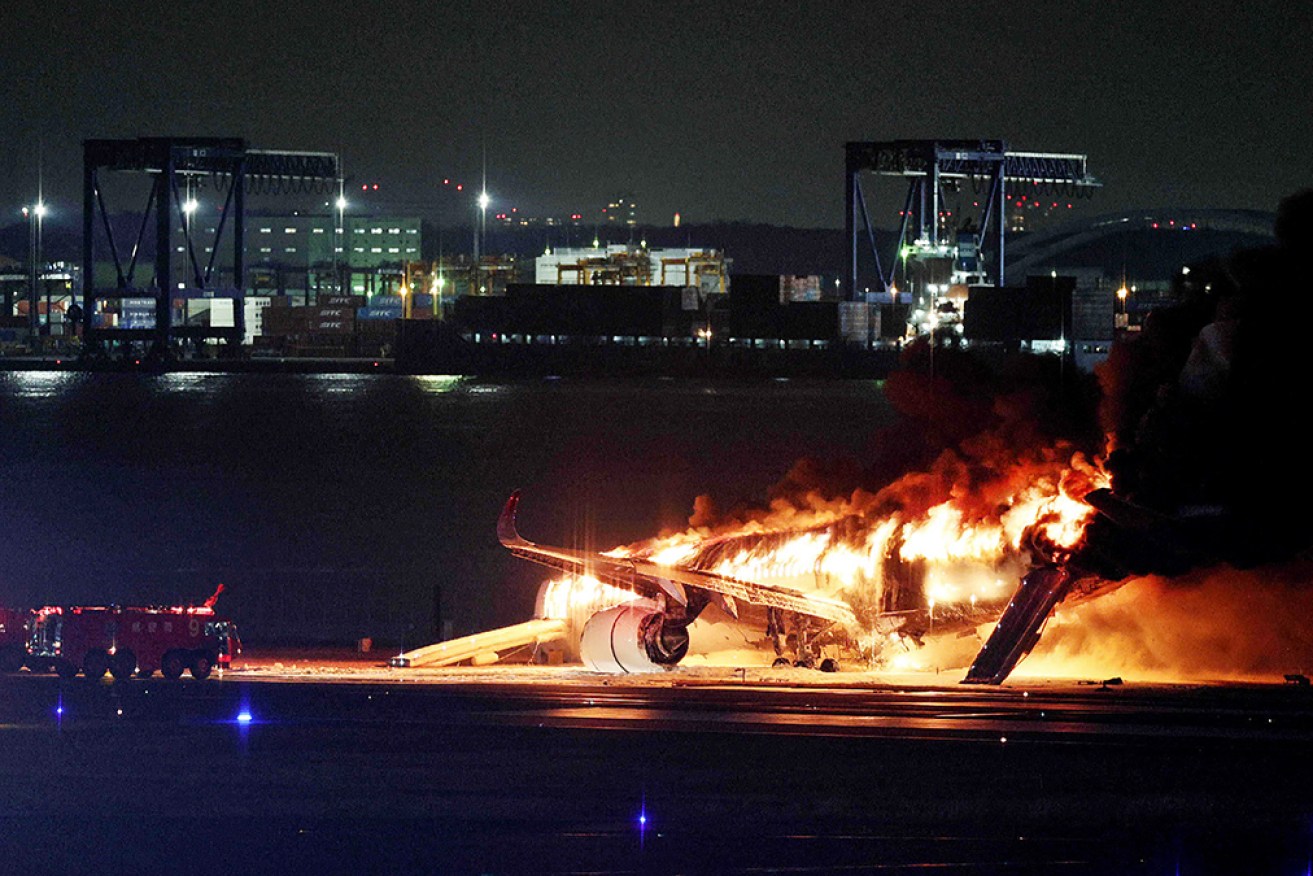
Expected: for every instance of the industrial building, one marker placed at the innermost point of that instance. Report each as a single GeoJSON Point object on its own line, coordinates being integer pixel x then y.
{"type": "Point", "coordinates": [302, 255]}
{"type": "Point", "coordinates": [631, 265]}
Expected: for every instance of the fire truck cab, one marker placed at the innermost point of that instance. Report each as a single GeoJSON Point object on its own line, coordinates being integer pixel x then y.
{"type": "Point", "coordinates": [127, 641]}
{"type": "Point", "coordinates": [13, 639]}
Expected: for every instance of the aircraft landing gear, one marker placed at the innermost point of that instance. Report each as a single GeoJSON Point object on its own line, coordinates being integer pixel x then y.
{"type": "Point", "coordinates": [801, 640]}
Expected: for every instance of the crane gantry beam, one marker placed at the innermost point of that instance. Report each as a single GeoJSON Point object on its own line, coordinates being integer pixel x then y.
{"type": "Point", "coordinates": [233, 167]}
{"type": "Point", "coordinates": [925, 164]}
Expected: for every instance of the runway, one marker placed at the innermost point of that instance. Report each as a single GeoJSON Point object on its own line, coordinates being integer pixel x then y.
{"type": "Point", "coordinates": [545, 769]}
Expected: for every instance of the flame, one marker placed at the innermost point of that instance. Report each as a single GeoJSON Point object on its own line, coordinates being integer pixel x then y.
{"type": "Point", "coordinates": [963, 550]}
{"type": "Point", "coordinates": [1214, 624]}
{"type": "Point", "coordinates": [948, 544]}
{"type": "Point", "coordinates": [575, 598]}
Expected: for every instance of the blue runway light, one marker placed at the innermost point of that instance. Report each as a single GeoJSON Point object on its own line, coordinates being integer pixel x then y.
{"type": "Point", "coordinates": [243, 717]}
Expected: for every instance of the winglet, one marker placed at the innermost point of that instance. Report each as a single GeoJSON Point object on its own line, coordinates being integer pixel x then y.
{"type": "Point", "coordinates": [506, 531]}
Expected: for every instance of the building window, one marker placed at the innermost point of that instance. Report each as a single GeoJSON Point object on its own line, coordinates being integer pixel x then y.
{"type": "Point", "coordinates": [265, 230]}
{"type": "Point", "coordinates": [289, 230]}
{"type": "Point", "coordinates": [318, 231]}
{"type": "Point", "coordinates": [290, 249]}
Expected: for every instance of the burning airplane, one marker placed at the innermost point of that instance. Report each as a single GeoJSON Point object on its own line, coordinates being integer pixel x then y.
{"type": "Point", "coordinates": [1197, 466]}
{"type": "Point", "coordinates": [1201, 467]}
{"type": "Point", "coordinates": [868, 578]}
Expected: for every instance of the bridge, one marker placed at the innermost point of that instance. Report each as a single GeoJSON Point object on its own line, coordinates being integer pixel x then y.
{"type": "Point", "coordinates": [1028, 253]}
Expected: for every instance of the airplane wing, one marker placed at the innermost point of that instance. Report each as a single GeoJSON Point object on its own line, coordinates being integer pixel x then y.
{"type": "Point", "coordinates": [650, 578]}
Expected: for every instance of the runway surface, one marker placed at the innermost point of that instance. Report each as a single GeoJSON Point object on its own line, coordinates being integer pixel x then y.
{"type": "Point", "coordinates": [346, 767]}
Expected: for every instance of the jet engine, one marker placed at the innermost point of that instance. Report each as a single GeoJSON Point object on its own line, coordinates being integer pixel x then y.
{"type": "Point", "coordinates": [633, 638]}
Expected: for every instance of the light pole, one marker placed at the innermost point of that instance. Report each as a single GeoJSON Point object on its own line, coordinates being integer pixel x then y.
{"type": "Point", "coordinates": [188, 208]}
{"type": "Point", "coordinates": [484, 201]}
{"type": "Point", "coordinates": [34, 215]}
{"type": "Point", "coordinates": [339, 240]}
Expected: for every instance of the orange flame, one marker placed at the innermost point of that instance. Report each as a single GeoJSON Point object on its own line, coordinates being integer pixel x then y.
{"type": "Point", "coordinates": [967, 553]}
{"type": "Point", "coordinates": [575, 598]}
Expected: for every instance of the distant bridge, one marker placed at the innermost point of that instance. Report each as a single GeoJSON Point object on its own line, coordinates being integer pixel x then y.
{"type": "Point", "coordinates": [1027, 253]}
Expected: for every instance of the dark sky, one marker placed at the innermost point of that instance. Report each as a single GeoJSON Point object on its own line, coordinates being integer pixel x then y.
{"type": "Point", "coordinates": [718, 110]}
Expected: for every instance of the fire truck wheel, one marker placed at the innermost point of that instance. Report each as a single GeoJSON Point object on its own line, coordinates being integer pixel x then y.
{"type": "Point", "coordinates": [780, 663]}
{"type": "Point", "coordinates": [173, 664]}
{"type": "Point", "coordinates": [145, 672]}
{"type": "Point", "coordinates": [95, 664]}
{"type": "Point", "coordinates": [123, 664]}
{"type": "Point", "coordinates": [11, 659]}
{"type": "Point", "coordinates": [829, 664]}
{"type": "Point", "coordinates": [37, 664]}
{"type": "Point", "coordinates": [65, 669]}
{"type": "Point", "coordinates": [201, 666]}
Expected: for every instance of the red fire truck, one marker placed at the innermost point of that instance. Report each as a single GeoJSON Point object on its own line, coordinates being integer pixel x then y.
{"type": "Point", "coordinates": [127, 641]}
{"type": "Point", "coordinates": [13, 639]}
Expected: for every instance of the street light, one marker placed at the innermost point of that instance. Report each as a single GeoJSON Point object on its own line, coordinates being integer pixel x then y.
{"type": "Point", "coordinates": [34, 215]}
{"type": "Point", "coordinates": [483, 201]}
{"type": "Point", "coordinates": [439, 282]}
{"type": "Point", "coordinates": [339, 238]}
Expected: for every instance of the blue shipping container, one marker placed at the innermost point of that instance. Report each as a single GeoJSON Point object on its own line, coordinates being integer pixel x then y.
{"type": "Point", "coordinates": [379, 312]}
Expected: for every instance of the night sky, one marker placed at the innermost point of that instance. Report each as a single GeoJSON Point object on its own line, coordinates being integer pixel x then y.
{"type": "Point", "coordinates": [717, 110]}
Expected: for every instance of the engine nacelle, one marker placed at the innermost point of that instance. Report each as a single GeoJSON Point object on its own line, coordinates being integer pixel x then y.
{"type": "Point", "coordinates": [632, 638]}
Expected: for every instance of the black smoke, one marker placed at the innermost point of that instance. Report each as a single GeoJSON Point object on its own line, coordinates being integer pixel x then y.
{"type": "Point", "coordinates": [1207, 409]}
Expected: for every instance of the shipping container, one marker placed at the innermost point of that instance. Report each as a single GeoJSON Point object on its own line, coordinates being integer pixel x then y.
{"type": "Point", "coordinates": [891, 322]}
{"type": "Point", "coordinates": [341, 300]}
{"type": "Point", "coordinates": [375, 312]}
{"type": "Point", "coordinates": [855, 321]}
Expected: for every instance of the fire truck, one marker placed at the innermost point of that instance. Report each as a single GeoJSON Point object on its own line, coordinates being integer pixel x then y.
{"type": "Point", "coordinates": [13, 639]}
{"type": "Point", "coordinates": [128, 641]}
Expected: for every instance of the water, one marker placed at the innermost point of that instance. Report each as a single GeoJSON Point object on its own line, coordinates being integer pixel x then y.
{"type": "Point", "coordinates": [333, 506]}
